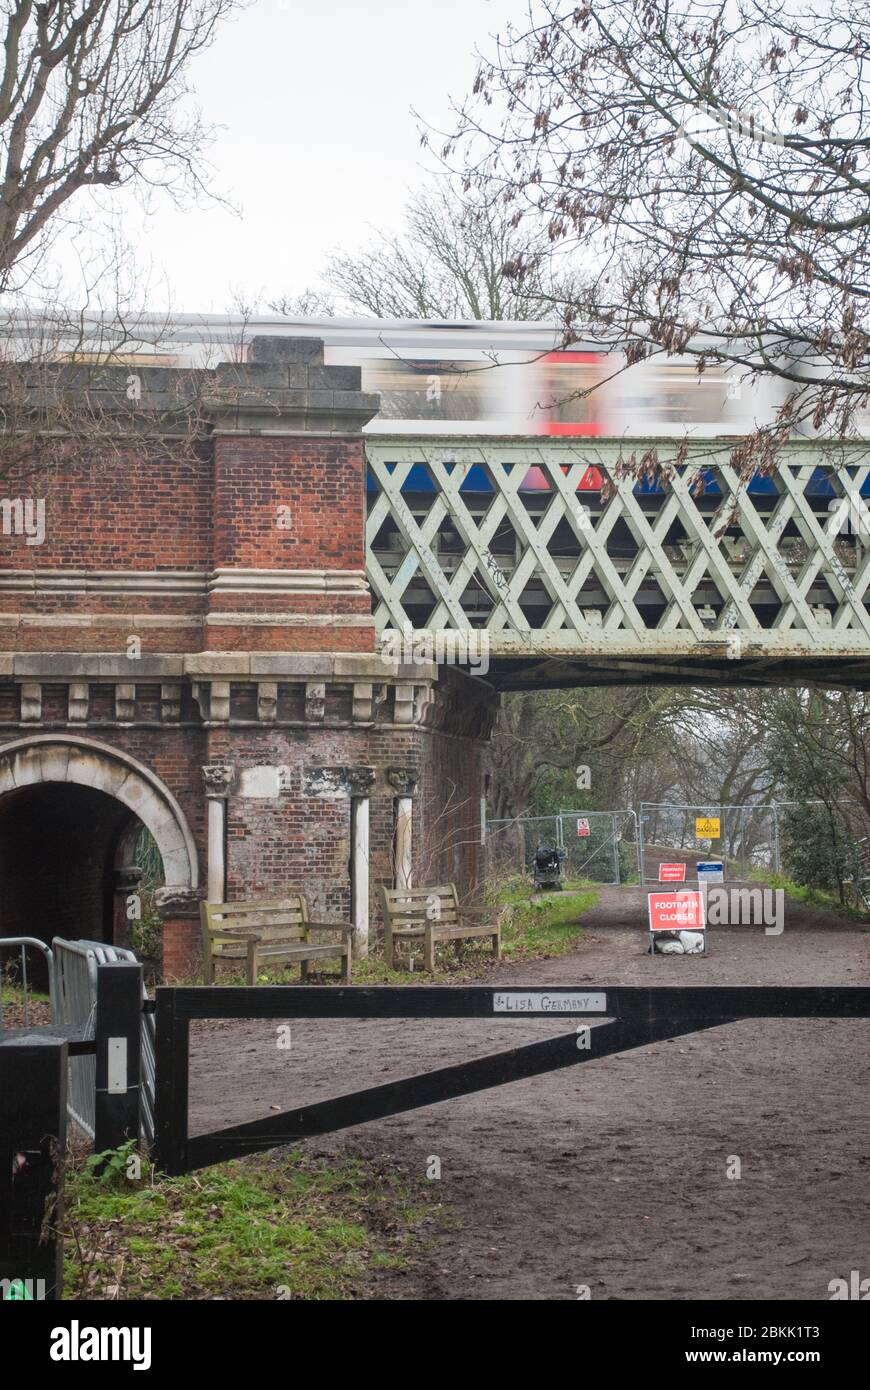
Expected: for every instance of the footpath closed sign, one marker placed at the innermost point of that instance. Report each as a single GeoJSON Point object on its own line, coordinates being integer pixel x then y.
{"type": "Point", "coordinates": [676, 911]}
{"type": "Point", "coordinates": [707, 827]}
{"type": "Point", "coordinates": [672, 873]}
{"type": "Point", "coordinates": [582, 828]}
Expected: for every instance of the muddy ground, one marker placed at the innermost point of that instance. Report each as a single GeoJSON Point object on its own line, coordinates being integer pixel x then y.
{"type": "Point", "coordinates": [612, 1174]}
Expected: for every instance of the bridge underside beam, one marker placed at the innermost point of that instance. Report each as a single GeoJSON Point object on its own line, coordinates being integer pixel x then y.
{"type": "Point", "coordinates": [560, 674]}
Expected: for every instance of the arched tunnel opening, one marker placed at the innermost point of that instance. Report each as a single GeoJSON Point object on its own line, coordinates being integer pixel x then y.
{"type": "Point", "coordinates": [67, 857]}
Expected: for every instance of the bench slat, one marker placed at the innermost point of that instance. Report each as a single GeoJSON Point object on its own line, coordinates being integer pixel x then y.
{"type": "Point", "coordinates": [306, 951]}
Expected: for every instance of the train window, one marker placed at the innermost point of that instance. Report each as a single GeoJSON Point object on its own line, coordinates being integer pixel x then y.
{"type": "Point", "coordinates": [677, 394]}
{"type": "Point", "coordinates": [427, 390]}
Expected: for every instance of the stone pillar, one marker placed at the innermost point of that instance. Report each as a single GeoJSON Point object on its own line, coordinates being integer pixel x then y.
{"type": "Point", "coordinates": [218, 780]}
{"type": "Point", "coordinates": [182, 934]}
{"type": "Point", "coordinates": [404, 784]}
{"type": "Point", "coordinates": [360, 782]}
{"type": "Point", "coordinates": [126, 882]}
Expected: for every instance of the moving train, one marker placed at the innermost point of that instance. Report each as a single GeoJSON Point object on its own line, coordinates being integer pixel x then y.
{"type": "Point", "coordinates": [470, 378]}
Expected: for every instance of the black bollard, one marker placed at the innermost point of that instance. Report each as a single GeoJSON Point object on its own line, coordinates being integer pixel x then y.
{"type": "Point", "coordinates": [33, 1082]}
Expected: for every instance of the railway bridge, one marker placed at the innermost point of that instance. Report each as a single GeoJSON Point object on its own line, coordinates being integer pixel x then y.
{"type": "Point", "coordinates": [277, 646]}
{"type": "Point", "coordinates": [571, 572]}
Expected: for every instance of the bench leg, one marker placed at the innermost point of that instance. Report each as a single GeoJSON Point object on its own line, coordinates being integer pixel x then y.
{"type": "Point", "coordinates": [208, 964]}
{"type": "Point", "coordinates": [346, 965]}
{"type": "Point", "coordinates": [303, 972]}
{"type": "Point", "coordinates": [429, 949]}
{"type": "Point", "coordinates": [496, 945]}
{"type": "Point", "coordinates": [252, 962]}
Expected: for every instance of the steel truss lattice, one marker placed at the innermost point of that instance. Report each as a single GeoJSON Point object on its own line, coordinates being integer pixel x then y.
{"type": "Point", "coordinates": [703, 568]}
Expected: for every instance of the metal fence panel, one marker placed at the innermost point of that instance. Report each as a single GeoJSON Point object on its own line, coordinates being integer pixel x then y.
{"type": "Point", "coordinates": [511, 844]}
{"type": "Point", "coordinates": [592, 840]}
{"type": "Point", "coordinates": [23, 943]}
{"type": "Point", "coordinates": [599, 845]}
{"type": "Point", "coordinates": [747, 840]}
{"type": "Point", "coordinates": [76, 1002]}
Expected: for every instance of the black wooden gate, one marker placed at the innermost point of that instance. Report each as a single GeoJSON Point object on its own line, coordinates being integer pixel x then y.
{"type": "Point", "coordinates": [621, 1017]}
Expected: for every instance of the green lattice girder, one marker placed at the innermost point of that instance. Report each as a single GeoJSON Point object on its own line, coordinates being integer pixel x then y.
{"type": "Point", "coordinates": [791, 561]}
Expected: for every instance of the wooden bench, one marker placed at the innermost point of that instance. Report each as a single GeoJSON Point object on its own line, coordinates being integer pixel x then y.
{"type": "Point", "coordinates": [275, 930]}
{"type": "Point", "coordinates": [433, 915]}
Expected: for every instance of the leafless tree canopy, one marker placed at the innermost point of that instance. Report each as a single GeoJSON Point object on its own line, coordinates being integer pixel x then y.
{"type": "Point", "coordinates": [707, 164]}
{"type": "Point", "coordinates": [90, 96]}
{"type": "Point", "coordinates": [449, 263]}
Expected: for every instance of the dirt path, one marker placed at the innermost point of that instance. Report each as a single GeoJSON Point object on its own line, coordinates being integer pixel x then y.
{"type": "Point", "coordinates": [613, 1174]}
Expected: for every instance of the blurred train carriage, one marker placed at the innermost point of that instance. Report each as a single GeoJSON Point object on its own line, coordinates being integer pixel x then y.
{"type": "Point", "coordinates": [501, 381]}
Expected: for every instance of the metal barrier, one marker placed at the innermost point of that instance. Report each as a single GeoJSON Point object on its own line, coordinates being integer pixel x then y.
{"type": "Point", "coordinates": [35, 1067]}
{"type": "Point", "coordinates": [619, 1018]}
{"type": "Point", "coordinates": [23, 942]}
{"type": "Point", "coordinates": [591, 840]}
{"type": "Point", "coordinates": [745, 837]}
{"type": "Point", "coordinates": [76, 965]}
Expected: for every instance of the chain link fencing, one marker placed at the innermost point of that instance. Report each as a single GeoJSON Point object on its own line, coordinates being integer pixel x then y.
{"type": "Point", "coordinates": [600, 846]}
{"type": "Point", "coordinates": [745, 837]}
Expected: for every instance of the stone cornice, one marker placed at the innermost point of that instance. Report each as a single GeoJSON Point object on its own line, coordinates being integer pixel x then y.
{"type": "Point", "coordinates": [294, 667]}
{"type": "Point", "coordinates": [284, 388]}
{"type": "Point", "coordinates": [173, 583]}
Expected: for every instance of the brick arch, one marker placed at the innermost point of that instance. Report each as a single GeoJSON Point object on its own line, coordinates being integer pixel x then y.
{"type": "Point", "coordinates": [85, 762]}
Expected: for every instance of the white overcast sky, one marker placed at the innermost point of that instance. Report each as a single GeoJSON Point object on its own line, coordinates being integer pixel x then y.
{"type": "Point", "coordinates": [319, 142]}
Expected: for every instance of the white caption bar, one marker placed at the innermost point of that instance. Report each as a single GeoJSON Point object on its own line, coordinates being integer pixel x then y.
{"type": "Point", "coordinates": [533, 1002]}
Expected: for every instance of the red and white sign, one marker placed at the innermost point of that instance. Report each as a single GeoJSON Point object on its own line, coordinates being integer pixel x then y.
{"type": "Point", "coordinates": [582, 828]}
{"type": "Point", "coordinates": [676, 911]}
{"type": "Point", "coordinates": [672, 873]}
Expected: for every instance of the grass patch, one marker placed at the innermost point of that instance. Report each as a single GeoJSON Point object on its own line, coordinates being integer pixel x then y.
{"type": "Point", "coordinates": [275, 1226]}
{"type": "Point", "coordinates": [543, 924]}
{"type": "Point", "coordinates": [813, 897]}
{"type": "Point", "coordinates": [12, 999]}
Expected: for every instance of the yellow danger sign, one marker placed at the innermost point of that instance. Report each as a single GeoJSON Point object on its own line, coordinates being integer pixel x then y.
{"type": "Point", "coordinates": [707, 827]}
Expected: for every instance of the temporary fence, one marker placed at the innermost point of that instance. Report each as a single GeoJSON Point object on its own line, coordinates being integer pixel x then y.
{"type": "Point", "coordinates": [76, 964]}
{"type": "Point", "coordinates": [618, 847]}
{"type": "Point", "coordinates": [599, 845]}
{"type": "Point", "coordinates": [23, 944]}
{"type": "Point", "coordinates": [745, 837]}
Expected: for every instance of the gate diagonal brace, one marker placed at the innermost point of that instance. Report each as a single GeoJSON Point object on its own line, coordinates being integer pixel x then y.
{"type": "Point", "coordinates": [636, 1017]}
{"type": "Point", "coordinates": [427, 1088]}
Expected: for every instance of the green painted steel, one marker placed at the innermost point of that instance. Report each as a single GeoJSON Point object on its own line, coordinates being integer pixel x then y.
{"type": "Point", "coordinates": [621, 573]}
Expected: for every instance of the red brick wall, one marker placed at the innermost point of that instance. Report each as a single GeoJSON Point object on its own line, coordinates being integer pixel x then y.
{"type": "Point", "coordinates": [320, 480]}
{"type": "Point", "coordinates": [320, 483]}
{"type": "Point", "coordinates": [125, 512]}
